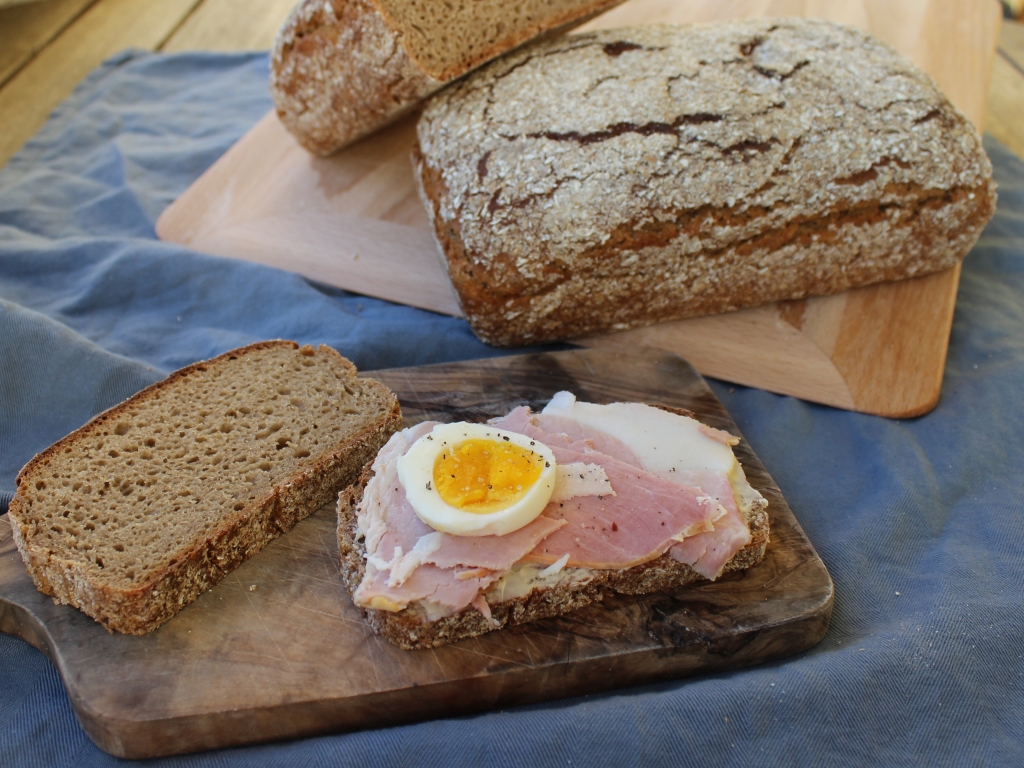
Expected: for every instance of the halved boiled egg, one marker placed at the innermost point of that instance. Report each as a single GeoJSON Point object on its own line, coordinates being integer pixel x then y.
{"type": "Point", "coordinates": [476, 480]}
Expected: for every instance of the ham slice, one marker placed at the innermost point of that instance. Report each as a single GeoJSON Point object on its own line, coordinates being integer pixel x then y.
{"type": "Point", "coordinates": [385, 517]}
{"type": "Point", "coordinates": [552, 429]}
{"type": "Point", "coordinates": [706, 552]}
{"type": "Point", "coordinates": [428, 582]}
{"type": "Point", "coordinates": [646, 517]}
{"type": "Point", "coordinates": [552, 424]}
{"type": "Point", "coordinates": [498, 553]}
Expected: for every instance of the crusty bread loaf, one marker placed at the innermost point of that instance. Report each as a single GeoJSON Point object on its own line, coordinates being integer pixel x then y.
{"type": "Point", "coordinates": [624, 177]}
{"type": "Point", "coordinates": [340, 69]}
{"type": "Point", "coordinates": [410, 628]}
{"type": "Point", "coordinates": [151, 503]}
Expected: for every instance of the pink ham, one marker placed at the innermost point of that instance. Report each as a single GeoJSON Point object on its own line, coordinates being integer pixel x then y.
{"type": "Point", "coordinates": [639, 523]}
{"type": "Point", "coordinates": [428, 582]}
{"type": "Point", "coordinates": [706, 552]}
{"type": "Point", "coordinates": [384, 514]}
{"type": "Point", "coordinates": [515, 420]}
{"type": "Point", "coordinates": [385, 517]}
{"type": "Point", "coordinates": [498, 553]}
{"type": "Point", "coordinates": [599, 441]}
{"type": "Point", "coordinates": [553, 429]}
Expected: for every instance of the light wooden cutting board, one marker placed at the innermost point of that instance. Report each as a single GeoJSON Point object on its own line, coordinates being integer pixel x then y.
{"type": "Point", "coordinates": [353, 220]}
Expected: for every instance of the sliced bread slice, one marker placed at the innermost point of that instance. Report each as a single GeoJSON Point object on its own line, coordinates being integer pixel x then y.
{"type": "Point", "coordinates": [137, 513]}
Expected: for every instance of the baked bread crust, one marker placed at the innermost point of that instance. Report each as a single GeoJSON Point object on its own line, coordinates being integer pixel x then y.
{"type": "Point", "coordinates": [341, 69]}
{"type": "Point", "coordinates": [237, 535]}
{"type": "Point", "coordinates": [409, 628]}
{"type": "Point", "coordinates": [625, 177]}
{"type": "Point", "coordinates": [338, 71]}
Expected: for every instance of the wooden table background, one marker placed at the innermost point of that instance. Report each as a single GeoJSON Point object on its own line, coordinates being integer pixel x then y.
{"type": "Point", "coordinates": [46, 48]}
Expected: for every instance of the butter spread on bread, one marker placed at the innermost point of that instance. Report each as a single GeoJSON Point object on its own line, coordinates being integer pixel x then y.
{"type": "Point", "coordinates": [151, 503]}
{"type": "Point", "coordinates": [679, 509]}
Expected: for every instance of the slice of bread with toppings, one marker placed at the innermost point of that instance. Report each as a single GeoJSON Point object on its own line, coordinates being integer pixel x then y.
{"type": "Point", "coordinates": [668, 518]}
{"type": "Point", "coordinates": [133, 516]}
{"type": "Point", "coordinates": [413, 627]}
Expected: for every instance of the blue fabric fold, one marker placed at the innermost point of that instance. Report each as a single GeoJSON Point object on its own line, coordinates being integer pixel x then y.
{"type": "Point", "coordinates": [920, 521]}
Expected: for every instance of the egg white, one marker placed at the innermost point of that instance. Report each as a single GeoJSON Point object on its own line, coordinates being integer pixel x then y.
{"type": "Point", "coordinates": [416, 473]}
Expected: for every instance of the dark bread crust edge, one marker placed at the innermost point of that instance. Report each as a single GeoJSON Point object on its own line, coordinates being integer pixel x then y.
{"type": "Point", "coordinates": [410, 630]}
{"type": "Point", "coordinates": [503, 317]}
{"type": "Point", "coordinates": [143, 608]}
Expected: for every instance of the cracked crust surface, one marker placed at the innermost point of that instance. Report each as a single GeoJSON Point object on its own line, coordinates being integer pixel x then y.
{"type": "Point", "coordinates": [134, 515]}
{"type": "Point", "coordinates": [624, 177]}
{"type": "Point", "coordinates": [410, 629]}
{"type": "Point", "coordinates": [341, 69]}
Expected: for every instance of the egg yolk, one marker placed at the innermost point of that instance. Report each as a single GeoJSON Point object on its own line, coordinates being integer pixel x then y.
{"type": "Point", "coordinates": [483, 476]}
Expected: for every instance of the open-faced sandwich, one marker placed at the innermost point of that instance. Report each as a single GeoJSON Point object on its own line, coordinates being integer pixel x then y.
{"type": "Point", "coordinates": [459, 529]}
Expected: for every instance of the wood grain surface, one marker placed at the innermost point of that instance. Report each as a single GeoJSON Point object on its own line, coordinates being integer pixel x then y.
{"type": "Point", "coordinates": [277, 650]}
{"type": "Point", "coordinates": [1011, 43]}
{"type": "Point", "coordinates": [1005, 118]}
{"type": "Point", "coordinates": [353, 220]}
{"type": "Point", "coordinates": [46, 48]}
{"type": "Point", "coordinates": [229, 25]}
{"type": "Point", "coordinates": [102, 30]}
{"type": "Point", "coordinates": [28, 28]}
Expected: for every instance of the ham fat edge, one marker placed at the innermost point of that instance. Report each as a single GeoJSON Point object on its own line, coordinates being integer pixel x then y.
{"type": "Point", "coordinates": [693, 515]}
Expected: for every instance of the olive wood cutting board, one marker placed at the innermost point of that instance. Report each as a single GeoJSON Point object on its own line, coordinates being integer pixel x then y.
{"type": "Point", "coordinates": [353, 220]}
{"type": "Point", "coordinates": [277, 650]}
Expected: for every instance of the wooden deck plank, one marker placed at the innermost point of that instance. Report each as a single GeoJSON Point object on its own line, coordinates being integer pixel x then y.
{"type": "Point", "coordinates": [26, 29]}
{"type": "Point", "coordinates": [1005, 117]}
{"type": "Point", "coordinates": [107, 27]}
{"type": "Point", "coordinates": [1011, 42]}
{"type": "Point", "coordinates": [230, 25]}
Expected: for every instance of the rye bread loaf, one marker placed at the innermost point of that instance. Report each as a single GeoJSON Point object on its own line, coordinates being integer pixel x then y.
{"type": "Point", "coordinates": [152, 502]}
{"type": "Point", "coordinates": [411, 628]}
{"type": "Point", "coordinates": [619, 178]}
{"type": "Point", "coordinates": [340, 69]}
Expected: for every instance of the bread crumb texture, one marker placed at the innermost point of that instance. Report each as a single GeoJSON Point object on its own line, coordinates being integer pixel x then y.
{"type": "Point", "coordinates": [623, 177]}
{"type": "Point", "coordinates": [152, 502]}
{"type": "Point", "coordinates": [448, 39]}
{"type": "Point", "coordinates": [340, 69]}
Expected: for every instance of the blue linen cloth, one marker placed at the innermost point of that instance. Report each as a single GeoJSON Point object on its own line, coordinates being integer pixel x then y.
{"type": "Point", "coordinates": [919, 521]}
